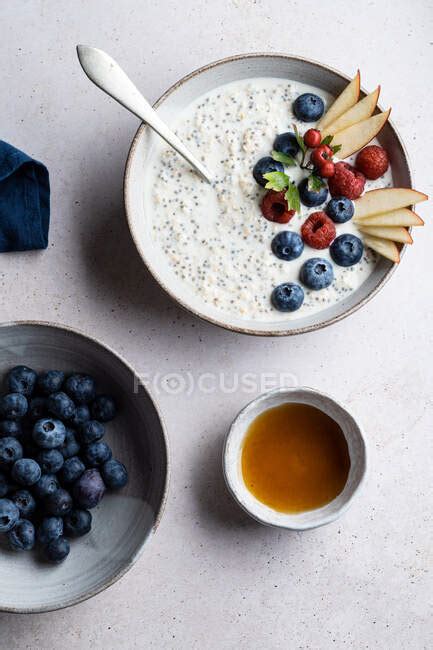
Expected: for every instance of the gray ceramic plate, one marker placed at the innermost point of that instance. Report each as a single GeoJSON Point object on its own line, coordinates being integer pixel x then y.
{"type": "Point", "coordinates": [176, 99]}
{"type": "Point", "coordinates": [124, 520]}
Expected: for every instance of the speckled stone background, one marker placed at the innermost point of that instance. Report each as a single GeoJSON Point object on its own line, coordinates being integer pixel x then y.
{"type": "Point", "coordinates": [211, 578]}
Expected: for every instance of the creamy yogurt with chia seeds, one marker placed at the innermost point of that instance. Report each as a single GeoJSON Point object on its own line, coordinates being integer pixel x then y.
{"type": "Point", "coordinates": [214, 237]}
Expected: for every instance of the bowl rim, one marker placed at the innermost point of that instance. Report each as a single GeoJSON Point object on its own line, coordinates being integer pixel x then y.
{"type": "Point", "coordinates": [129, 210]}
{"type": "Point", "coordinates": [121, 572]}
{"type": "Point", "coordinates": [263, 399]}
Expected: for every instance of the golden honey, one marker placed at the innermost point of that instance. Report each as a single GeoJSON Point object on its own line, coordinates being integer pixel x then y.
{"type": "Point", "coordinates": [295, 458]}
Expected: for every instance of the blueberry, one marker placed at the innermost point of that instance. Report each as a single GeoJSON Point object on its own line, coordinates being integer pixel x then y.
{"type": "Point", "coordinates": [287, 296]}
{"type": "Point", "coordinates": [340, 209]}
{"type": "Point", "coordinates": [286, 143]}
{"type": "Point", "coordinates": [21, 380]}
{"type": "Point", "coordinates": [26, 471]}
{"type": "Point", "coordinates": [50, 381]}
{"type": "Point", "coordinates": [91, 431]}
{"type": "Point", "coordinates": [58, 503]}
{"type": "Point", "coordinates": [10, 428]}
{"type": "Point", "coordinates": [346, 250]}
{"type": "Point", "coordinates": [89, 489]}
{"type": "Point", "coordinates": [4, 485]}
{"type": "Point", "coordinates": [96, 453]}
{"type": "Point", "coordinates": [49, 433]}
{"type": "Point", "coordinates": [82, 415]}
{"type": "Point", "coordinates": [287, 245]}
{"type": "Point", "coordinates": [57, 550]}
{"type": "Point", "coordinates": [61, 406]}
{"type": "Point", "coordinates": [30, 448]}
{"type": "Point", "coordinates": [70, 447]}
{"type": "Point", "coordinates": [50, 528]}
{"type": "Point", "coordinates": [317, 273]}
{"type": "Point", "coordinates": [71, 470]}
{"type": "Point", "coordinates": [22, 536]}
{"type": "Point", "coordinates": [312, 198]}
{"type": "Point", "coordinates": [77, 523]}
{"type": "Point", "coordinates": [81, 388]}
{"type": "Point", "coordinates": [265, 166]}
{"type": "Point", "coordinates": [13, 405]}
{"type": "Point", "coordinates": [50, 460]}
{"type": "Point", "coordinates": [114, 474]}
{"type": "Point", "coordinates": [104, 408]}
{"type": "Point", "coordinates": [10, 451]}
{"type": "Point", "coordinates": [37, 408]}
{"type": "Point", "coordinates": [25, 502]}
{"type": "Point", "coordinates": [9, 515]}
{"type": "Point", "coordinates": [47, 484]}
{"type": "Point", "coordinates": [308, 107]}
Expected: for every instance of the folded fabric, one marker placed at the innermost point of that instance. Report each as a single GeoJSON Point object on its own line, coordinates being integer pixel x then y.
{"type": "Point", "coordinates": [24, 201]}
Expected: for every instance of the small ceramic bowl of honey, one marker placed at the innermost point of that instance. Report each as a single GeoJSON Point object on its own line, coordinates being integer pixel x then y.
{"type": "Point", "coordinates": [294, 458]}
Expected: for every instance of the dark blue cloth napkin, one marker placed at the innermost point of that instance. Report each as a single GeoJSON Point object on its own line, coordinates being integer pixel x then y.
{"type": "Point", "coordinates": [24, 201]}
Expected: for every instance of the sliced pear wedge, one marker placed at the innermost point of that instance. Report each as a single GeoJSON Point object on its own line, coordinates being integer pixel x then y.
{"type": "Point", "coordinates": [384, 247]}
{"type": "Point", "coordinates": [344, 101]}
{"type": "Point", "coordinates": [394, 233]}
{"type": "Point", "coordinates": [358, 135]}
{"type": "Point", "coordinates": [361, 111]}
{"type": "Point", "coordinates": [385, 200]}
{"type": "Point", "coordinates": [401, 217]}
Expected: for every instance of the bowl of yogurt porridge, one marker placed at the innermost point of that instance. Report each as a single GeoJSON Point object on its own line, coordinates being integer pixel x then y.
{"type": "Point", "coordinates": [208, 245]}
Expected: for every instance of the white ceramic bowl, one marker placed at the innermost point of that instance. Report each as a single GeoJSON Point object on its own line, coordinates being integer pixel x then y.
{"type": "Point", "coordinates": [125, 519]}
{"type": "Point", "coordinates": [233, 449]}
{"type": "Point", "coordinates": [179, 97]}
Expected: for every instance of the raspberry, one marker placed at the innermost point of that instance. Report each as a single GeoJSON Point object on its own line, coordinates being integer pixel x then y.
{"type": "Point", "coordinates": [347, 181]}
{"type": "Point", "coordinates": [318, 231]}
{"type": "Point", "coordinates": [372, 161]}
{"type": "Point", "coordinates": [274, 207]}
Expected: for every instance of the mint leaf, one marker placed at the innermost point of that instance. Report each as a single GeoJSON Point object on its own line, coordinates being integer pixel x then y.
{"type": "Point", "coordinates": [277, 181]}
{"type": "Point", "coordinates": [327, 140]}
{"type": "Point", "coordinates": [336, 148]}
{"type": "Point", "coordinates": [292, 197]}
{"type": "Point", "coordinates": [299, 139]}
{"type": "Point", "coordinates": [315, 183]}
{"type": "Point", "coordinates": [283, 158]}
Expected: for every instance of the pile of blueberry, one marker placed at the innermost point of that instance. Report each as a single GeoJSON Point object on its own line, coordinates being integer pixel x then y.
{"type": "Point", "coordinates": [316, 273]}
{"type": "Point", "coordinates": [54, 465]}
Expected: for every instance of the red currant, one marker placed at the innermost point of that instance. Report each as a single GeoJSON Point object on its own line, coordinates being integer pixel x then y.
{"type": "Point", "coordinates": [312, 138]}
{"type": "Point", "coordinates": [321, 155]}
{"type": "Point", "coordinates": [327, 169]}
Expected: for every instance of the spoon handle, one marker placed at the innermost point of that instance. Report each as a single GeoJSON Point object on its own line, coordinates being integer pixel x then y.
{"type": "Point", "coordinates": [109, 77]}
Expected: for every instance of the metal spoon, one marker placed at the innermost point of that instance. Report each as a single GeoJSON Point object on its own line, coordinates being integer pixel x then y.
{"type": "Point", "coordinates": [109, 77]}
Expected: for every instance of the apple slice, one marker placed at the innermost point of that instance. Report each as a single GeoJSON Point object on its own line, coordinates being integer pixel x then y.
{"type": "Point", "coordinates": [401, 217]}
{"type": "Point", "coordinates": [361, 111]}
{"type": "Point", "coordinates": [358, 135]}
{"type": "Point", "coordinates": [384, 247]}
{"type": "Point", "coordinates": [344, 101]}
{"type": "Point", "coordinates": [386, 200]}
{"type": "Point", "coordinates": [394, 233]}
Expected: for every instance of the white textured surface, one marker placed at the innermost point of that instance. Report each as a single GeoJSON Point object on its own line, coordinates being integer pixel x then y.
{"type": "Point", "coordinates": [212, 578]}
